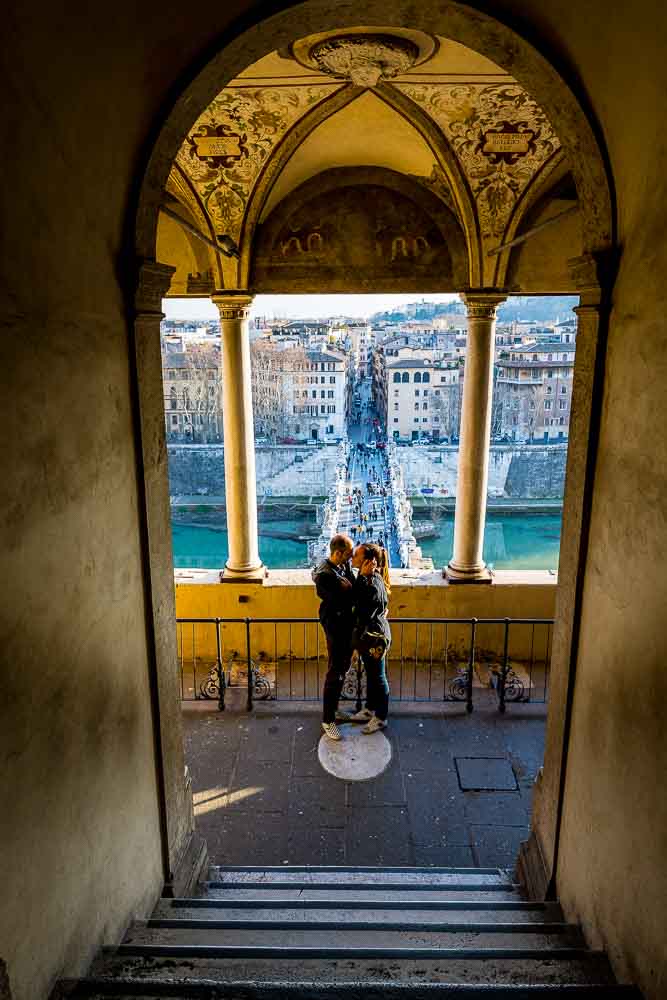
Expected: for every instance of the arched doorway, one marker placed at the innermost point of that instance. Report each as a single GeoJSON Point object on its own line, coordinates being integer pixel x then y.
{"type": "Point", "coordinates": [480, 141]}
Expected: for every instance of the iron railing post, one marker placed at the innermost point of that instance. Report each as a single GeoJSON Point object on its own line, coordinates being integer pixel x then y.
{"type": "Point", "coordinates": [221, 669]}
{"type": "Point", "coordinates": [249, 660]}
{"type": "Point", "coordinates": [503, 672]}
{"type": "Point", "coordinates": [471, 665]}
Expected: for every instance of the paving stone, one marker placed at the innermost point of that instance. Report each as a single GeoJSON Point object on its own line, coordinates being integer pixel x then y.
{"type": "Point", "coordinates": [268, 739]}
{"type": "Point", "coordinates": [497, 845]}
{"type": "Point", "coordinates": [259, 786]}
{"type": "Point", "coordinates": [485, 774]}
{"type": "Point", "coordinates": [501, 808]}
{"type": "Point", "coordinates": [386, 790]}
{"type": "Point", "coordinates": [319, 801]}
{"type": "Point", "coordinates": [250, 838]}
{"type": "Point", "coordinates": [313, 845]}
{"type": "Point", "coordinates": [379, 836]}
{"type": "Point", "coordinates": [447, 855]}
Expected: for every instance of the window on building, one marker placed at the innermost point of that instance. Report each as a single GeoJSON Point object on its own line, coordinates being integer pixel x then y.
{"type": "Point", "coordinates": [395, 420]}
{"type": "Point", "coordinates": [397, 376]}
{"type": "Point", "coordinates": [416, 420]}
{"type": "Point", "coordinates": [443, 378]}
{"type": "Point", "coordinates": [425, 392]}
{"type": "Point", "coordinates": [564, 357]}
{"type": "Point", "coordinates": [416, 392]}
{"type": "Point", "coordinates": [550, 373]}
{"type": "Point", "coordinates": [547, 404]}
{"type": "Point", "coordinates": [416, 406]}
{"type": "Point", "coordinates": [332, 379]}
{"type": "Point", "coordinates": [323, 394]}
{"type": "Point", "coordinates": [406, 377]}
{"type": "Point", "coordinates": [418, 377]}
{"type": "Point", "coordinates": [330, 394]}
{"type": "Point", "coordinates": [436, 420]}
{"type": "Point", "coordinates": [314, 393]}
{"type": "Point", "coordinates": [174, 420]}
{"type": "Point", "coordinates": [425, 420]}
{"type": "Point", "coordinates": [532, 404]}
{"type": "Point", "coordinates": [424, 406]}
{"type": "Point", "coordinates": [426, 377]}
{"type": "Point", "coordinates": [563, 390]}
{"type": "Point", "coordinates": [323, 409]}
{"type": "Point", "coordinates": [322, 366]}
{"type": "Point", "coordinates": [561, 421]}
{"type": "Point", "coordinates": [515, 421]}
{"type": "Point", "coordinates": [395, 406]}
{"type": "Point", "coordinates": [436, 392]}
{"type": "Point", "coordinates": [562, 403]}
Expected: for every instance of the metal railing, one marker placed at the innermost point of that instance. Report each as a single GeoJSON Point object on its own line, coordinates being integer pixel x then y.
{"type": "Point", "coordinates": [430, 660]}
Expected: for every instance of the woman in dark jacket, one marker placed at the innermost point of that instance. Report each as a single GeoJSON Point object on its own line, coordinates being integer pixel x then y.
{"type": "Point", "coordinates": [371, 598]}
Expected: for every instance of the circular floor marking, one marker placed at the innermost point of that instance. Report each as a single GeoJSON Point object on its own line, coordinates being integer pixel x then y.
{"type": "Point", "coordinates": [356, 757]}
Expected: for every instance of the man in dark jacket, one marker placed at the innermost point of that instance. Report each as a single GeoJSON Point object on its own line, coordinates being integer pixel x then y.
{"type": "Point", "coordinates": [334, 582]}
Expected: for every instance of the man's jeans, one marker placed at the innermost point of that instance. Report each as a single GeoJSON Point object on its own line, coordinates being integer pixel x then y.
{"type": "Point", "coordinates": [339, 648]}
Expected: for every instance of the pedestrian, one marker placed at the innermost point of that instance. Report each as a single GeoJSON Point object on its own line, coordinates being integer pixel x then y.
{"type": "Point", "coordinates": [334, 583]}
{"type": "Point", "coordinates": [372, 635]}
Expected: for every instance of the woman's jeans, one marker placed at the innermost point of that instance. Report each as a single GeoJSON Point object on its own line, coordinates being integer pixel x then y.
{"type": "Point", "coordinates": [377, 686]}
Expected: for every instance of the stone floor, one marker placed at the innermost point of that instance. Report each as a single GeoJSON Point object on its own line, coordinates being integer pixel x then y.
{"type": "Point", "coordinates": [262, 797]}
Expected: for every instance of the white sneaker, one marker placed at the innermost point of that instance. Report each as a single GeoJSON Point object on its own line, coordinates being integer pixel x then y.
{"type": "Point", "coordinates": [374, 724]}
{"type": "Point", "coordinates": [332, 731]}
{"type": "Point", "coordinates": [363, 715]}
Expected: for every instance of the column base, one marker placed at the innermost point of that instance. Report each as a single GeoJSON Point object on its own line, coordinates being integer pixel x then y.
{"type": "Point", "coordinates": [256, 575]}
{"type": "Point", "coordinates": [454, 575]}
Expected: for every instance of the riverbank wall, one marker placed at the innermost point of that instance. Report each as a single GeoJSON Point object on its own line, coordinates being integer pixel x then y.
{"type": "Point", "coordinates": [531, 472]}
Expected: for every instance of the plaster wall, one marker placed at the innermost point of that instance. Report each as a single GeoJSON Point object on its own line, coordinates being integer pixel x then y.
{"type": "Point", "coordinates": [415, 594]}
{"type": "Point", "coordinates": [84, 96]}
{"type": "Point", "coordinates": [612, 873]}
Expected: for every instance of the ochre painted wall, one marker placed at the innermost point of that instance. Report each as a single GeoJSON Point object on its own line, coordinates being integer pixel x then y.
{"type": "Point", "coordinates": [84, 95]}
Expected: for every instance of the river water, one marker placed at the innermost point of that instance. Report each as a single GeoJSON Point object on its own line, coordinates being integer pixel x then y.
{"type": "Point", "coordinates": [519, 541]}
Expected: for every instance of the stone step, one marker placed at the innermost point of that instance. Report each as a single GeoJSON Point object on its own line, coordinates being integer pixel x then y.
{"type": "Point", "coordinates": [312, 912]}
{"type": "Point", "coordinates": [357, 935]}
{"type": "Point", "coordinates": [453, 883]}
{"type": "Point", "coordinates": [455, 966]}
{"type": "Point", "coordinates": [335, 875]}
{"type": "Point", "coordinates": [381, 894]}
{"type": "Point", "coordinates": [96, 989]}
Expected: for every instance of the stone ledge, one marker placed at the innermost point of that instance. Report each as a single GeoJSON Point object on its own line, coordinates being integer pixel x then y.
{"type": "Point", "coordinates": [399, 578]}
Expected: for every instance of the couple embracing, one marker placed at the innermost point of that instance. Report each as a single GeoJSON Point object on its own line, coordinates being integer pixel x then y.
{"type": "Point", "coordinates": [353, 614]}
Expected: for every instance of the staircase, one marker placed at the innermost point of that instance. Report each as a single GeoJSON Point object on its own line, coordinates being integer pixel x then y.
{"type": "Point", "coordinates": [312, 933]}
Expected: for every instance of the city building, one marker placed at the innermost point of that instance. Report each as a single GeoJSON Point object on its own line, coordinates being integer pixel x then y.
{"type": "Point", "coordinates": [422, 398]}
{"type": "Point", "coordinates": [533, 392]}
{"type": "Point", "coordinates": [298, 393]}
{"type": "Point", "coordinates": [192, 383]}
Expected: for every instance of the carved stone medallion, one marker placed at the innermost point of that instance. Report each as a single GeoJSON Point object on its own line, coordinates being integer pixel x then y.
{"type": "Point", "coordinates": [365, 59]}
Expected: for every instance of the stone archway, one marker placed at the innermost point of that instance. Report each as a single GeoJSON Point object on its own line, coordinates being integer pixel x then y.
{"type": "Point", "coordinates": [578, 136]}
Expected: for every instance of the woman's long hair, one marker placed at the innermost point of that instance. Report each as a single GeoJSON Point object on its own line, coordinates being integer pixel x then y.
{"type": "Point", "coordinates": [373, 551]}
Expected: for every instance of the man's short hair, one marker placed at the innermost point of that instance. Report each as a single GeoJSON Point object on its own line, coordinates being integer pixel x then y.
{"type": "Point", "coordinates": [339, 543]}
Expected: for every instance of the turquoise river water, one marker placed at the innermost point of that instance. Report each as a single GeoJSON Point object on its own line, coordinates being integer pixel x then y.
{"type": "Point", "coordinates": [525, 541]}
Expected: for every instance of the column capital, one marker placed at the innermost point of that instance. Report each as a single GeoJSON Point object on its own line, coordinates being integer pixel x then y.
{"type": "Point", "coordinates": [233, 304]}
{"type": "Point", "coordinates": [482, 303]}
{"type": "Point", "coordinates": [152, 285]}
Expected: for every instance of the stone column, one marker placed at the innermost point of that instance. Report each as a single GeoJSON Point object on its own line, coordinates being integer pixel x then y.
{"type": "Point", "coordinates": [593, 277]}
{"type": "Point", "coordinates": [184, 853]}
{"type": "Point", "coordinates": [243, 562]}
{"type": "Point", "coordinates": [466, 564]}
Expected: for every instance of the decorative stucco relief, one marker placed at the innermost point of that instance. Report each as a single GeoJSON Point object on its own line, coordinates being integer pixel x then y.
{"type": "Point", "coordinates": [500, 136]}
{"type": "Point", "coordinates": [230, 142]}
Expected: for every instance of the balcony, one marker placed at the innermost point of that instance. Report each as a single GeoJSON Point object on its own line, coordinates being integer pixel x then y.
{"type": "Point", "coordinates": [258, 785]}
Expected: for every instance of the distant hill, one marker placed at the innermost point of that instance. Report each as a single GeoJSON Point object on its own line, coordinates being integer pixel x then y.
{"type": "Point", "coordinates": [529, 308]}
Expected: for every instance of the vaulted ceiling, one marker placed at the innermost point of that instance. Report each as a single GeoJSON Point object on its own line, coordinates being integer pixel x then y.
{"type": "Point", "coordinates": [434, 112]}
